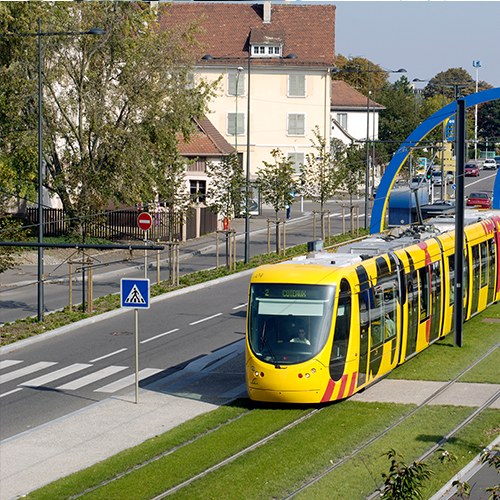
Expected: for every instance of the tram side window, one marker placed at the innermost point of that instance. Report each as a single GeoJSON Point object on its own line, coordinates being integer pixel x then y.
{"type": "Point", "coordinates": [451, 277]}
{"type": "Point", "coordinates": [423, 278]}
{"type": "Point", "coordinates": [475, 265]}
{"type": "Point", "coordinates": [484, 263]}
{"type": "Point", "coordinates": [383, 311]}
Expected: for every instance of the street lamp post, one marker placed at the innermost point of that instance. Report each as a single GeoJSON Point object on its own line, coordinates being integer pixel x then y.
{"type": "Point", "coordinates": [477, 65]}
{"type": "Point", "coordinates": [39, 34]}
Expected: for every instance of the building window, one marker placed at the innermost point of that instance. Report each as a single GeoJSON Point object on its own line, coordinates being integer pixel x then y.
{"type": "Point", "coordinates": [232, 78]}
{"type": "Point", "coordinates": [199, 165]}
{"type": "Point", "coordinates": [198, 190]}
{"type": "Point", "coordinates": [342, 119]}
{"type": "Point", "coordinates": [237, 123]}
{"type": "Point", "coordinates": [296, 85]}
{"type": "Point", "coordinates": [266, 50]}
{"type": "Point", "coordinates": [296, 124]}
{"type": "Point", "coordinates": [298, 160]}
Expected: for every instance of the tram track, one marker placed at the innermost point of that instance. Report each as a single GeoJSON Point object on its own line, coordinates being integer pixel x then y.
{"type": "Point", "coordinates": [345, 460]}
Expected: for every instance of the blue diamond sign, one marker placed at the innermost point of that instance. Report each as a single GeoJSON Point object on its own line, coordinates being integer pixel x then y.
{"type": "Point", "coordinates": [134, 293]}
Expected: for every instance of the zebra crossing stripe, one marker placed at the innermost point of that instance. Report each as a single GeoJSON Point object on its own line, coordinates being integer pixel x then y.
{"type": "Point", "coordinates": [129, 380]}
{"type": "Point", "coordinates": [63, 372]}
{"type": "Point", "coordinates": [26, 371]}
{"type": "Point", "coordinates": [92, 377]}
{"type": "Point", "coordinates": [8, 362]}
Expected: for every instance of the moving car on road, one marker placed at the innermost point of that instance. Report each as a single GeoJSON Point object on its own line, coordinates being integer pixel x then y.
{"type": "Point", "coordinates": [479, 200]}
{"type": "Point", "coordinates": [471, 169]}
{"type": "Point", "coordinates": [490, 163]}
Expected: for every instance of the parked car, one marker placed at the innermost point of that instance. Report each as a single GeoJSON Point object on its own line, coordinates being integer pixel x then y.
{"type": "Point", "coordinates": [497, 160]}
{"type": "Point", "coordinates": [471, 169]}
{"type": "Point", "coordinates": [490, 163]}
{"type": "Point", "coordinates": [479, 200]}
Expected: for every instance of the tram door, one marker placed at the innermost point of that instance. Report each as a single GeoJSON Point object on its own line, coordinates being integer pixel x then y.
{"type": "Point", "coordinates": [491, 269]}
{"type": "Point", "coordinates": [412, 294]}
{"type": "Point", "coordinates": [476, 277]}
{"type": "Point", "coordinates": [363, 330]}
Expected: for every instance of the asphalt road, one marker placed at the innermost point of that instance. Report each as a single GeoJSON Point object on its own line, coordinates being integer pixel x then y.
{"type": "Point", "coordinates": [52, 378]}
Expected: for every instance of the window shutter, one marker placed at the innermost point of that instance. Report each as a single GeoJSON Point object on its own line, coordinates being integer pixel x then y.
{"type": "Point", "coordinates": [296, 124]}
{"type": "Point", "coordinates": [296, 85]}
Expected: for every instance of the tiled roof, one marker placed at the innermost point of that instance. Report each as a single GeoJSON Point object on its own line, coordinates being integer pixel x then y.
{"type": "Point", "coordinates": [344, 96]}
{"type": "Point", "coordinates": [206, 142]}
{"type": "Point", "coordinates": [307, 31]}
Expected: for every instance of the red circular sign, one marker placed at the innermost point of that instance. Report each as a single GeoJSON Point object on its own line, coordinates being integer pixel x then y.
{"type": "Point", "coordinates": [144, 221]}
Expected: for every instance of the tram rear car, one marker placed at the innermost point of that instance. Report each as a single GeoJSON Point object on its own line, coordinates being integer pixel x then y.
{"type": "Point", "coordinates": [324, 326]}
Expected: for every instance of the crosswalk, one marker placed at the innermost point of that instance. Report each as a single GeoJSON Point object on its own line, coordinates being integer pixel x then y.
{"type": "Point", "coordinates": [35, 375]}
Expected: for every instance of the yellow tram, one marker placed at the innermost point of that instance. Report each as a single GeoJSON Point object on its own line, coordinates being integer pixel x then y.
{"type": "Point", "coordinates": [323, 326]}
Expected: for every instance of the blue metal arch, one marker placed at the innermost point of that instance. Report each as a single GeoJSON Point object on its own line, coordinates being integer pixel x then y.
{"type": "Point", "coordinates": [380, 203]}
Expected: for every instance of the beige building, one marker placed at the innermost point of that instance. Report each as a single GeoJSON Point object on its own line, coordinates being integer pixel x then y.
{"type": "Point", "coordinates": [274, 63]}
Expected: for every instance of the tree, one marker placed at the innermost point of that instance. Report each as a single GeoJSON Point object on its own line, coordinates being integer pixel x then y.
{"type": "Point", "coordinates": [354, 71]}
{"type": "Point", "coordinates": [447, 82]}
{"type": "Point", "coordinates": [353, 170]}
{"type": "Point", "coordinates": [488, 121]}
{"type": "Point", "coordinates": [115, 106]}
{"type": "Point", "coordinates": [404, 482]}
{"type": "Point", "coordinates": [276, 183]}
{"type": "Point", "coordinates": [319, 175]}
{"type": "Point", "coordinates": [225, 192]}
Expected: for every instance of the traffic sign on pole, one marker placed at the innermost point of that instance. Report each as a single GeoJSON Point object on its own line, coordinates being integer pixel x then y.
{"type": "Point", "coordinates": [144, 221]}
{"type": "Point", "coordinates": [135, 293]}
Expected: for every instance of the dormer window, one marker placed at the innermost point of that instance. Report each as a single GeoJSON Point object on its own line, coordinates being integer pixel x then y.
{"type": "Point", "coordinates": [266, 50]}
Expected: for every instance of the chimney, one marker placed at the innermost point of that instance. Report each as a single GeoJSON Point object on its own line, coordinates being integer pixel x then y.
{"type": "Point", "coordinates": [267, 11]}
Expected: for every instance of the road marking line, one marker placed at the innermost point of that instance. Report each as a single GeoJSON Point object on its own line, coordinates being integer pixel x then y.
{"type": "Point", "coordinates": [240, 306]}
{"type": "Point", "coordinates": [129, 380]}
{"type": "Point", "coordinates": [92, 377]}
{"type": "Point", "coordinates": [205, 319]}
{"type": "Point", "coordinates": [50, 377]}
{"type": "Point", "coordinates": [11, 392]}
{"type": "Point", "coordinates": [9, 362]}
{"type": "Point", "coordinates": [107, 355]}
{"type": "Point", "coordinates": [26, 371]}
{"type": "Point", "coordinates": [158, 336]}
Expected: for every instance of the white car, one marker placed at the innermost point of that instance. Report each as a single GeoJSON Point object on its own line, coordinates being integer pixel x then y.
{"type": "Point", "coordinates": [490, 163]}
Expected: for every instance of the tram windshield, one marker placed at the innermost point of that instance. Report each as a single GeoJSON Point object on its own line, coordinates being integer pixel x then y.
{"type": "Point", "coordinates": [289, 324]}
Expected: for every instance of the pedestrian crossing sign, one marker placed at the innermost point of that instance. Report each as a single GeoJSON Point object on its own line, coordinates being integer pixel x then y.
{"type": "Point", "coordinates": [134, 293]}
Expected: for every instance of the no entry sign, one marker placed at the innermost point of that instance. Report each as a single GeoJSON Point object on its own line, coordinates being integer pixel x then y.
{"type": "Point", "coordinates": [144, 221]}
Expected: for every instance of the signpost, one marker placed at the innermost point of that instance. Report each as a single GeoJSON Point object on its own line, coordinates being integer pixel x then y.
{"type": "Point", "coordinates": [144, 222]}
{"type": "Point", "coordinates": [135, 293]}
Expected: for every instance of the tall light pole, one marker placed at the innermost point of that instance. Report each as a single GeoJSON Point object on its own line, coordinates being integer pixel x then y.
{"type": "Point", "coordinates": [477, 65]}
{"type": "Point", "coordinates": [39, 34]}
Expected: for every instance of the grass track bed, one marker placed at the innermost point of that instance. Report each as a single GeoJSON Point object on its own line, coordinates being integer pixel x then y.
{"type": "Point", "coordinates": [281, 465]}
{"type": "Point", "coordinates": [479, 337]}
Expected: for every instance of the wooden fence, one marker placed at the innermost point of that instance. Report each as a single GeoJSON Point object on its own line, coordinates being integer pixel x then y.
{"type": "Point", "coordinates": [121, 224]}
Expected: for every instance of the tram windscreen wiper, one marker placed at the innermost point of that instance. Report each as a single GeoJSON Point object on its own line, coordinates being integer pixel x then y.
{"type": "Point", "coordinates": [265, 342]}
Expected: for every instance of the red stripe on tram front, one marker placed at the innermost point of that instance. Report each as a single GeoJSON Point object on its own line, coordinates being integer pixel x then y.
{"type": "Point", "coordinates": [329, 391]}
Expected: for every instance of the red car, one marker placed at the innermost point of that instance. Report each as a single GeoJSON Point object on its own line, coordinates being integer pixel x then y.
{"type": "Point", "coordinates": [479, 200]}
{"type": "Point", "coordinates": [471, 169]}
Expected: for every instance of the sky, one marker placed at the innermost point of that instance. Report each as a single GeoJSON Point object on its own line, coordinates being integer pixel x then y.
{"type": "Point", "coordinates": [424, 37]}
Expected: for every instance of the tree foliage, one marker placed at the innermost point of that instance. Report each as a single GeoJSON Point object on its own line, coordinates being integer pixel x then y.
{"type": "Point", "coordinates": [450, 83]}
{"type": "Point", "coordinates": [114, 106]}
{"type": "Point", "coordinates": [356, 70]}
{"type": "Point", "coordinates": [225, 192]}
{"type": "Point", "coordinates": [276, 182]}
{"type": "Point", "coordinates": [404, 482]}
{"type": "Point", "coordinates": [488, 121]}
{"type": "Point", "coordinates": [319, 175]}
